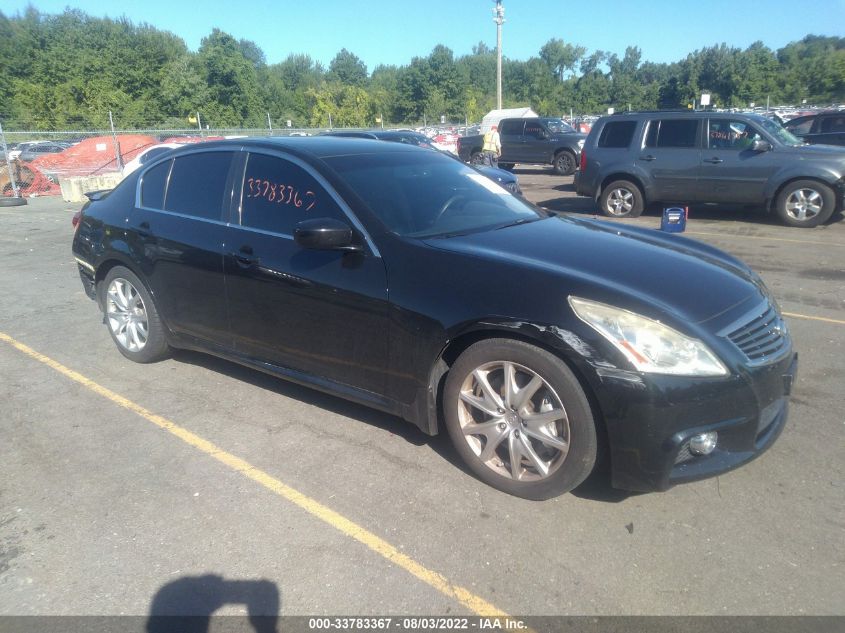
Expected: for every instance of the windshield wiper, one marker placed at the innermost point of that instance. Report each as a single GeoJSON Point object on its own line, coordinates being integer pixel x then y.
{"type": "Point", "coordinates": [518, 222]}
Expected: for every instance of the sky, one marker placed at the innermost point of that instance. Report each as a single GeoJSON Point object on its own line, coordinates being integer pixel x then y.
{"type": "Point", "coordinates": [394, 32]}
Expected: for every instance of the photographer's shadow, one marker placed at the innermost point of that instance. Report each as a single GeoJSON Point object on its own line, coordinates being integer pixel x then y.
{"type": "Point", "coordinates": [187, 604]}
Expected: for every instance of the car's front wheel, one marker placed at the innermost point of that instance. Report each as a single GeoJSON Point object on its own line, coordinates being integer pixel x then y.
{"type": "Point", "coordinates": [805, 203]}
{"type": "Point", "coordinates": [622, 199]}
{"type": "Point", "coordinates": [519, 418]}
{"type": "Point", "coordinates": [132, 317]}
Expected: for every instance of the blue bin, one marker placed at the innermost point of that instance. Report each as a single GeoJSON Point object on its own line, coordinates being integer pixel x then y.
{"type": "Point", "coordinates": [674, 219]}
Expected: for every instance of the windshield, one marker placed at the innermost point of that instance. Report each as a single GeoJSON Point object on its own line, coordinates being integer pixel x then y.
{"type": "Point", "coordinates": [556, 126]}
{"type": "Point", "coordinates": [423, 194]}
{"type": "Point", "coordinates": [779, 132]}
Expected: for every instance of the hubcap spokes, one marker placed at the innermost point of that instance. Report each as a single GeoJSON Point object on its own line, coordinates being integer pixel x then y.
{"type": "Point", "coordinates": [513, 421]}
{"type": "Point", "coordinates": [804, 204]}
{"type": "Point", "coordinates": [126, 315]}
{"type": "Point", "coordinates": [620, 201]}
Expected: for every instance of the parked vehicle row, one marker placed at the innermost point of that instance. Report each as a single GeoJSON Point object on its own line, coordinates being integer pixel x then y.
{"type": "Point", "coordinates": [632, 160]}
{"type": "Point", "coordinates": [402, 279]}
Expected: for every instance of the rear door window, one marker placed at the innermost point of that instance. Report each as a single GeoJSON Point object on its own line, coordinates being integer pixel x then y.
{"type": "Point", "coordinates": [278, 194]}
{"type": "Point", "coordinates": [618, 134]}
{"type": "Point", "coordinates": [511, 127]}
{"type": "Point", "coordinates": [833, 124]}
{"type": "Point", "coordinates": [153, 185]}
{"type": "Point", "coordinates": [672, 133]}
{"type": "Point", "coordinates": [198, 184]}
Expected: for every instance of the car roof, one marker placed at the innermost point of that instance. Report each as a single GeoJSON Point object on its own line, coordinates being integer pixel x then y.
{"type": "Point", "coordinates": [308, 147]}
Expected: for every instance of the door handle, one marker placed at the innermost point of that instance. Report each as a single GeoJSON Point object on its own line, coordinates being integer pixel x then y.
{"type": "Point", "coordinates": [144, 229]}
{"type": "Point", "coordinates": [245, 257]}
{"type": "Point", "coordinates": [648, 158]}
{"type": "Point", "coordinates": [713, 161]}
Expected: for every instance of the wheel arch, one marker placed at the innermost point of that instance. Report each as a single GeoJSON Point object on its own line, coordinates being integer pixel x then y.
{"type": "Point", "coordinates": [106, 266]}
{"type": "Point", "coordinates": [621, 175]}
{"type": "Point", "coordinates": [527, 334]}
{"type": "Point", "coordinates": [775, 192]}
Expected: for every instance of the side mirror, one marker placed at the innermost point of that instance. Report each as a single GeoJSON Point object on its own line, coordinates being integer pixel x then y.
{"type": "Point", "coordinates": [761, 146]}
{"type": "Point", "coordinates": [325, 234]}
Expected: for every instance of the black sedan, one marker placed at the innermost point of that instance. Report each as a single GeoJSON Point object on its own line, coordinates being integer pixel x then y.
{"type": "Point", "coordinates": [402, 279]}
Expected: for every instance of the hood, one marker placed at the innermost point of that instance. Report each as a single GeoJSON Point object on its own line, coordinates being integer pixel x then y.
{"type": "Point", "coordinates": [815, 150]}
{"type": "Point", "coordinates": [667, 273]}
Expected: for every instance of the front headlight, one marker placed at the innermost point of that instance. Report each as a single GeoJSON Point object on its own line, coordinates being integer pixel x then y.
{"type": "Point", "coordinates": [650, 346]}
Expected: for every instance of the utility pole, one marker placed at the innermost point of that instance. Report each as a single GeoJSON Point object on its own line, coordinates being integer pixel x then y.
{"type": "Point", "coordinates": [499, 19]}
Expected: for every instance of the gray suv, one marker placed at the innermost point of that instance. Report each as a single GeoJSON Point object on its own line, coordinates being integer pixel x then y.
{"type": "Point", "coordinates": [634, 159]}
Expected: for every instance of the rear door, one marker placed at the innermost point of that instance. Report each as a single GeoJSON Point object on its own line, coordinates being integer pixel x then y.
{"type": "Point", "coordinates": [830, 130]}
{"type": "Point", "coordinates": [671, 153]}
{"type": "Point", "coordinates": [178, 232]}
{"type": "Point", "coordinates": [513, 141]}
{"type": "Point", "coordinates": [731, 172]}
{"type": "Point", "coordinates": [320, 312]}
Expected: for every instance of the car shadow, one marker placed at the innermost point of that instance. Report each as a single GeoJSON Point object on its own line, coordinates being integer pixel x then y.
{"type": "Point", "coordinates": [595, 488]}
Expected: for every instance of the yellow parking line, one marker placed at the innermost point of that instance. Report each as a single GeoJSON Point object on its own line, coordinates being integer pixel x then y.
{"type": "Point", "coordinates": [812, 318]}
{"type": "Point", "coordinates": [768, 239]}
{"type": "Point", "coordinates": [439, 582]}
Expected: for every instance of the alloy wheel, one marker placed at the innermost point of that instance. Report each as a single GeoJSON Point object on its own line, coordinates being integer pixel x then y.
{"type": "Point", "coordinates": [126, 315]}
{"type": "Point", "coordinates": [513, 421]}
{"type": "Point", "coordinates": [804, 204]}
{"type": "Point", "coordinates": [620, 201]}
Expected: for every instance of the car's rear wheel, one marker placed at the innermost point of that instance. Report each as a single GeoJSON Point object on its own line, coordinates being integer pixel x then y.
{"type": "Point", "coordinates": [565, 164]}
{"type": "Point", "coordinates": [805, 203]}
{"type": "Point", "coordinates": [476, 158]}
{"type": "Point", "coordinates": [622, 199]}
{"type": "Point", "coordinates": [132, 317]}
{"type": "Point", "coordinates": [519, 418]}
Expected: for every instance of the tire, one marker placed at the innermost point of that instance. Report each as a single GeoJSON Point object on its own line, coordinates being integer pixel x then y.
{"type": "Point", "coordinates": [476, 159]}
{"type": "Point", "coordinates": [564, 163]}
{"type": "Point", "coordinates": [805, 203]}
{"type": "Point", "coordinates": [554, 452]}
{"type": "Point", "coordinates": [622, 199]}
{"type": "Point", "coordinates": [132, 317]}
{"type": "Point", "coordinates": [12, 201]}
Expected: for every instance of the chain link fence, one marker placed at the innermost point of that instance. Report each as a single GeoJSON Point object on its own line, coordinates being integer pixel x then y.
{"type": "Point", "coordinates": [36, 161]}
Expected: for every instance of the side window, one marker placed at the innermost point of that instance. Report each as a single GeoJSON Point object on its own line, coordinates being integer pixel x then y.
{"type": "Point", "coordinates": [511, 126]}
{"type": "Point", "coordinates": [617, 134]}
{"type": "Point", "coordinates": [800, 127]}
{"type": "Point", "coordinates": [153, 184]}
{"type": "Point", "coordinates": [534, 130]}
{"type": "Point", "coordinates": [833, 124]}
{"type": "Point", "coordinates": [198, 183]}
{"type": "Point", "coordinates": [678, 133]}
{"type": "Point", "coordinates": [277, 194]}
{"type": "Point", "coordinates": [730, 134]}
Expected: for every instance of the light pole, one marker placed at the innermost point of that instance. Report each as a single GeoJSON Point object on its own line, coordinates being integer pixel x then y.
{"type": "Point", "coordinates": [499, 19]}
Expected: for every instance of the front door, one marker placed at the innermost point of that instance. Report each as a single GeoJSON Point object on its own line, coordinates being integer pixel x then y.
{"type": "Point", "coordinates": [320, 312]}
{"type": "Point", "coordinates": [731, 172]}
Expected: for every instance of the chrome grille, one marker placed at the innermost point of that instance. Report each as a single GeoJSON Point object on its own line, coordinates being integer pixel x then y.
{"type": "Point", "coordinates": [761, 336]}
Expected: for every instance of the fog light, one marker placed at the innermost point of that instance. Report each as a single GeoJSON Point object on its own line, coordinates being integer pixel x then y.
{"type": "Point", "coordinates": [703, 443]}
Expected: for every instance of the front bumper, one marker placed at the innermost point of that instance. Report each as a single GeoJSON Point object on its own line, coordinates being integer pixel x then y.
{"type": "Point", "coordinates": [651, 422]}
